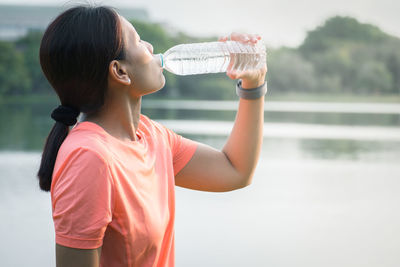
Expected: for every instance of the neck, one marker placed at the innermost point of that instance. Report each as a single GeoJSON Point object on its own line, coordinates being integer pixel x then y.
{"type": "Point", "coordinates": [119, 117]}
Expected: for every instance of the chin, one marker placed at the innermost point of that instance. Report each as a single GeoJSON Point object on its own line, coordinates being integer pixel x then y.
{"type": "Point", "coordinates": [155, 87]}
{"type": "Point", "coordinates": [162, 84]}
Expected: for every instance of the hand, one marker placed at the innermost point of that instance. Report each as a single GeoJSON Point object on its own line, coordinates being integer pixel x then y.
{"type": "Point", "coordinates": [250, 78]}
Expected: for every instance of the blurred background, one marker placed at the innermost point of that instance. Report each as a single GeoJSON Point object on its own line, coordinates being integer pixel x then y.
{"type": "Point", "coordinates": [325, 192]}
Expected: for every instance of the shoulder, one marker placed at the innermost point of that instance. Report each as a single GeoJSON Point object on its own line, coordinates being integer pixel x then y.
{"type": "Point", "coordinates": [147, 122]}
{"type": "Point", "coordinates": [80, 167]}
{"type": "Point", "coordinates": [79, 159]}
{"type": "Point", "coordinates": [85, 145]}
{"type": "Point", "coordinates": [175, 141]}
{"type": "Point", "coordinates": [86, 137]}
{"type": "Point", "coordinates": [156, 129]}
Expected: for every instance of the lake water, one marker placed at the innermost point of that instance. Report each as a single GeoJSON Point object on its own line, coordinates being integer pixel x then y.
{"type": "Point", "coordinates": [325, 192]}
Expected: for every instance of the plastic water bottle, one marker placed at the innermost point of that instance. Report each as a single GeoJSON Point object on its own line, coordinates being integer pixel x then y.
{"type": "Point", "coordinates": [213, 57]}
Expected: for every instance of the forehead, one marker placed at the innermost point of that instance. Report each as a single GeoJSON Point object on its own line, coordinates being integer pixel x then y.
{"type": "Point", "coordinates": [128, 30]}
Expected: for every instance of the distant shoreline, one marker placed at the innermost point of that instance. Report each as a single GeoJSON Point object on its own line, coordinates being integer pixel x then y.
{"type": "Point", "coordinates": [295, 97]}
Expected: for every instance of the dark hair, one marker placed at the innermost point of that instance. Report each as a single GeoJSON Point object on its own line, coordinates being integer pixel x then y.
{"type": "Point", "coordinates": [75, 52]}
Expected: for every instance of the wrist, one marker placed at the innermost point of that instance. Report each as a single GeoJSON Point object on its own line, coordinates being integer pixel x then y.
{"type": "Point", "coordinates": [246, 84]}
{"type": "Point", "coordinates": [251, 93]}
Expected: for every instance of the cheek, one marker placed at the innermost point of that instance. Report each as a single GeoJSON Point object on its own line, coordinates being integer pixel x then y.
{"type": "Point", "coordinates": [146, 77]}
{"type": "Point", "coordinates": [146, 73]}
{"type": "Point", "coordinates": [142, 70]}
{"type": "Point", "coordinates": [141, 65]}
{"type": "Point", "coordinates": [141, 57]}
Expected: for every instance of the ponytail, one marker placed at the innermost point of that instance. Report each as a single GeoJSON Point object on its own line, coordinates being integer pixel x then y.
{"type": "Point", "coordinates": [56, 137]}
{"type": "Point", "coordinates": [64, 116]}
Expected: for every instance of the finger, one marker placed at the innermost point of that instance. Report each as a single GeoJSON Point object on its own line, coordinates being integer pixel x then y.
{"type": "Point", "coordinates": [223, 38]}
{"type": "Point", "coordinates": [254, 38]}
{"type": "Point", "coordinates": [232, 74]}
{"type": "Point", "coordinates": [235, 36]}
{"type": "Point", "coordinates": [232, 60]}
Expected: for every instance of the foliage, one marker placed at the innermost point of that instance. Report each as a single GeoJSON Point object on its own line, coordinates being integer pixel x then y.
{"type": "Point", "coordinates": [289, 71]}
{"type": "Point", "coordinates": [29, 47]}
{"type": "Point", "coordinates": [340, 30]}
{"type": "Point", "coordinates": [206, 86]}
{"type": "Point", "coordinates": [349, 56]}
{"type": "Point", "coordinates": [372, 77]}
{"type": "Point", "coordinates": [153, 33]}
{"type": "Point", "coordinates": [14, 77]}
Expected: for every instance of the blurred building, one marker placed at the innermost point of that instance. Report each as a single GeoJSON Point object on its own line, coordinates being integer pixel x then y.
{"type": "Point", "coordinates": [17, 20]}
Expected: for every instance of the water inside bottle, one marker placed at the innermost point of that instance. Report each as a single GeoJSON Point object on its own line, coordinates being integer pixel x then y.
{"type": "Point", "coordinates": [192, 59]}
{"type": "Point", "coordinates": [211, 58]}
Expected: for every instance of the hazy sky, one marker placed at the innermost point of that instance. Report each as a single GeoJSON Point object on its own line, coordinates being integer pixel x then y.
{"type": "Point", "coordinates": [280, 22]}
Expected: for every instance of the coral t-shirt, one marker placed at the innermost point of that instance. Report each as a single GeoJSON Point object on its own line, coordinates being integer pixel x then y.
{"type": "Point", "coordinates": [119, 195]}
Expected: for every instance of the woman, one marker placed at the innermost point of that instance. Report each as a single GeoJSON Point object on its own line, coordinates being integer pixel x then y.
{"type": "Point", "coordinates": [112, 176]}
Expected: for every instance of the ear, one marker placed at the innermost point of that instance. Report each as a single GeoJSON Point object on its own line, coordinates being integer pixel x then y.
{"type": "Point", "coordinates": [118, 73]}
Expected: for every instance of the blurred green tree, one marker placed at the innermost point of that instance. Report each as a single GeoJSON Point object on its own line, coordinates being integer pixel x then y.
{"type": "Point", "coordinates": [14, 77]}
{"type": "Point", "coordinates": [209, 86]}
{"type": "Point", "coordinates": [344, 50]}
{"type": "Point", "coordinates": [29, 47]}
{"type": "Point", "coordinates": [372, 77]}
{"type": "Point", "coordinates": [338, 31]}
{"type": "Point", "coordinates": [289, 71]}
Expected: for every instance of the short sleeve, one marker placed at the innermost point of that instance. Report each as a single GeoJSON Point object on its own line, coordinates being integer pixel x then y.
{"type": "Point", "coordinates": [82, 200]}
{"type": "Point", "coordinates": [182, 149]}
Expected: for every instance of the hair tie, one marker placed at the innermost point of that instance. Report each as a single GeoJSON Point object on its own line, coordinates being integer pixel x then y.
{"type": "Point", "coordinates": [65, 114]}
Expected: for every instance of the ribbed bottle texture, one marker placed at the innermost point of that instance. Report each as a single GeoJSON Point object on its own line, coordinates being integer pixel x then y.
{"type": "Point", "coordinates": [213, 57]}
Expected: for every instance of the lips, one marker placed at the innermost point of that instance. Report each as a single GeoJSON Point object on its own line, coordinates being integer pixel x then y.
{"type": "Point", "coordinates": [158, 59]}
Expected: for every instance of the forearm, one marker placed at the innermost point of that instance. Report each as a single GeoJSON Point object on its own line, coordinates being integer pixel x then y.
{"type": "Point", "coordinates": [244, 143]}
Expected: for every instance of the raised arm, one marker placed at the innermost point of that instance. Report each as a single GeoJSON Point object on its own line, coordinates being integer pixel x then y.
{"type": "Point", "coordinates": [233, 167]}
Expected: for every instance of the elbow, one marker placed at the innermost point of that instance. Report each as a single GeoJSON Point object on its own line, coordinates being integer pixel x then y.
{"type": "Point", "coordinates": [236, 183]}
{"type": "Point", "coordinates": [245, 181]}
